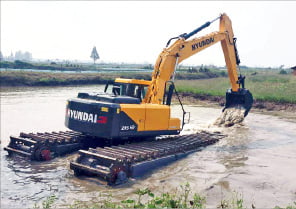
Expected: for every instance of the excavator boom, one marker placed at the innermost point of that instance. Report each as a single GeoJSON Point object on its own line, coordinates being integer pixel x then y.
{"type": "Point", "coordinates": [181, 49]}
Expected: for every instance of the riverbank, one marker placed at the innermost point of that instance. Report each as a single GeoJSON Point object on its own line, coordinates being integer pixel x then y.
{"type": "Point", "coordinates": [69, 66]}
{"type": "Point", "coordinates": [261, 105]}
{"type": "Point", "coordinates": [271, 87]}
{"type": "Point", "coordinates": [21, 78]}
{"type": "Point", "coordinates": [272, 92]}
{"type": "Point", "coordinates": [56, 78]}
{"type": "Point", "coordinates": [282, 110]}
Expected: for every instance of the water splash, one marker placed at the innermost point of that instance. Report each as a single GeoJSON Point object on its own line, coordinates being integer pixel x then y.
{"type": "Point", "coordinates": [230, 117]}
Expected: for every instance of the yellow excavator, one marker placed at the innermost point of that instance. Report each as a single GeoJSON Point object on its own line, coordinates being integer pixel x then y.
{"type": "Point", "coordinates": [141, 108]}
{"type": "Point", "coordinates": [114, 125]}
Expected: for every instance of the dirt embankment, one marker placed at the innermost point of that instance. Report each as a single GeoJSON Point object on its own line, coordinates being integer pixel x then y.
{"type": "Point", "coordinates": [28, 78]}
{"type": "Point", "coordinates": [21, 78]}
{"type": "Point", "coordinates": [258, 104]}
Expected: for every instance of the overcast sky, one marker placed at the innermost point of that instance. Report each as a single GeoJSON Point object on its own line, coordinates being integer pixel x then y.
{"type": "Point", "coordinates": [137, 31]}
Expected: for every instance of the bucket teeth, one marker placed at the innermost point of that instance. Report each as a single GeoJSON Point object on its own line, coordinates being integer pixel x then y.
{"type": "Point", "coordinates": [241, 99]}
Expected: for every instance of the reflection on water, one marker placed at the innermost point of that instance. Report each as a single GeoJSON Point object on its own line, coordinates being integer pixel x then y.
{"type": "Point", "coordinates": [257, 158]}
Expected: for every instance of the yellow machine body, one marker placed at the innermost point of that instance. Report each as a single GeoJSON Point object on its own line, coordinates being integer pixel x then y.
{"type": "Point", "coordinates": [151, 117]}
{"type": "Point", "coordinates": [141, 107]}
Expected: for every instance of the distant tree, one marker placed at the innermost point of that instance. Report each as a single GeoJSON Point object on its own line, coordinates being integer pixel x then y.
{"type": "Point", "coordinates": [243, 67]}
{"type": "Point", "coordinates": [203, 69]}
{"type": "Point", "coordinates": [21, 65]}
{"type": "Point", "coordinates": [149, 66]}
{"type": "Point", "coordinates": [94, 54]}
{"type": "Point", "coordinates": [1, 56]}
{"type": "Point", "coordinates": [192, 70]}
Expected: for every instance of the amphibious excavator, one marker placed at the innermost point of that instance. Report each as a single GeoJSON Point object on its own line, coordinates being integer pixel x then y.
{"type": "Point", "coordinates": [130, 111]}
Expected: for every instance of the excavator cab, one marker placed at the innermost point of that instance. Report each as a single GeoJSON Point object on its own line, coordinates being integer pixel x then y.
{"type": "Point", "coordinates": [128, 87]}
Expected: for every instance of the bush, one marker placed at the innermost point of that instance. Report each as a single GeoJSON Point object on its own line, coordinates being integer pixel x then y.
{"type": "Point", "coordinates": [5, 64]}
{"type": "Point", "coordinates": [21, 64]}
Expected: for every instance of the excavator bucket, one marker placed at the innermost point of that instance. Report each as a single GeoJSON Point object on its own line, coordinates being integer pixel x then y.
{"type": "Point", "coordinates": [241, 99]}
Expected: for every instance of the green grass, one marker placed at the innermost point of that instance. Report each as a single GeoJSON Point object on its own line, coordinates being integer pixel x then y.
{"type": "Point", "coordinates": [266, 87]}
{"type": "Point", "coordinates": [181, 197]}
{"type": "Point", "coordinates": [21, 78]}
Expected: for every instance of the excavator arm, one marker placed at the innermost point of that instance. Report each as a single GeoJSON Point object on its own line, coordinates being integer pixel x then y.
{"type": "Point", "coordinates": [181, 49]}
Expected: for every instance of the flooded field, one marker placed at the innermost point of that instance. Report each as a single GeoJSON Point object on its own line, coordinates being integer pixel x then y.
{"type": "Point", "coordinates": [257, 159]}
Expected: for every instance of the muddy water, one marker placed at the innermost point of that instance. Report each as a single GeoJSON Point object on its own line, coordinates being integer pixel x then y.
{"type": "Point", "coordinates": [257, 159]}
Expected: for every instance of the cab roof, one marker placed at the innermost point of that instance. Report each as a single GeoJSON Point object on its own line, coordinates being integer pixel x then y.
{"type": "Point", "coordinates": [133, 81]}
